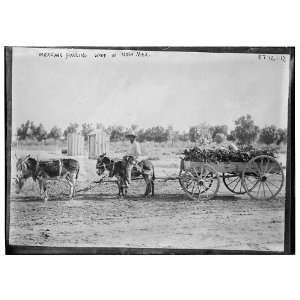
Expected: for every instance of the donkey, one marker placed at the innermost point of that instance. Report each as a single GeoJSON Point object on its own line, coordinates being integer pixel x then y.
{"type": "Point", "coordinates": [42, 171]}
{"type": "Point", "coordinates": [130, 169]}
{"type": "Point", "coordinates": [146, 169]}
{"type": "Point", "coordinates": [121, 169]}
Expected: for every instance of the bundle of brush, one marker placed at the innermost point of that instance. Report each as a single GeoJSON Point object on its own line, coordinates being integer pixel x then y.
{"type": "Point", "coordinates": [224, 155]}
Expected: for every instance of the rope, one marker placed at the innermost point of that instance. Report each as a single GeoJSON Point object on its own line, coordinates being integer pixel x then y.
{"type": "Point", "coordinates": [95, 183]}
{"type": "Point", "coordinates": [89, 187]}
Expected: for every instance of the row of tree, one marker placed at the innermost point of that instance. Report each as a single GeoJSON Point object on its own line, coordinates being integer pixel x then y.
{"type": "Point", "coordinates": [245, 132]}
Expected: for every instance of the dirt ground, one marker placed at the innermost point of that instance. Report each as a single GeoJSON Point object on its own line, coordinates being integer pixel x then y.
{"type": "Point", "coordinates": [168, 220]}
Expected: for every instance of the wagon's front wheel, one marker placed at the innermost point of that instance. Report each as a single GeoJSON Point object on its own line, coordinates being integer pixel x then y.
{"type": "Point", "coordinates": [263, 178]}
{"type": "Point", "coordinates": [200, 183]}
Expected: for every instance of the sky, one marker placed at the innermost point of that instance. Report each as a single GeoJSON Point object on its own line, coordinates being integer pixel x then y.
{"type": "Point", "coordinates": [180, 89]}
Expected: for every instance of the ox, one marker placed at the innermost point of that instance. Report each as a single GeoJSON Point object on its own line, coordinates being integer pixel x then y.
{"type": "Point", "coordinates": [42, 171]}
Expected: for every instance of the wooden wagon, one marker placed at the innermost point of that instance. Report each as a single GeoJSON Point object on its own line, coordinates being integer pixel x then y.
{"type": "Point", "coordinates": [261, 178]}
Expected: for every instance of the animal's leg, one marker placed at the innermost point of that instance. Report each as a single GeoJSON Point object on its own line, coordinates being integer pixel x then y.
{"type": "Point", "coordinates": [119, 188]}
{"type": "Point", "coordinates": [71, 190]}
{"type": "Point", "coordinates": [70, 186]}
{"type": "Point", "coordinates": [73, 180]}
{"type": "Point", "coordinates": [41, 186]}
{"type": "Point", "coordinates": [152, 185]}
{"type": "Point", "coordinates": [146, 178]}
{"type": "Point", "coordinates": [46, 192]}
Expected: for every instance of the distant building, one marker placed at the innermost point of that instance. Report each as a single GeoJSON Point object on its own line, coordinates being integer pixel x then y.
{"type": "Point", "coordinates": [75, 144]}
{"type": "Point", "coordinates": [98, 143]}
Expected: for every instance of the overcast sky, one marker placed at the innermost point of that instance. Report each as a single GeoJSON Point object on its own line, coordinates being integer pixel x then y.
{"type": "Point", "coordinates": [163, 88]}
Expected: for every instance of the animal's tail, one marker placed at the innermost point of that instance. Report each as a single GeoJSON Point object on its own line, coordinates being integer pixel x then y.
{"type": "Point", "coordinates": [77, 172]}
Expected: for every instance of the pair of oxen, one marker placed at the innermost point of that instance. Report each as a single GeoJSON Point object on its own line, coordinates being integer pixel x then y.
{"type": "Point", "coordinates": [67, 169]}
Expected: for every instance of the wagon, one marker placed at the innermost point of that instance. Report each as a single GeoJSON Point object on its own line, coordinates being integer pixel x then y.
{"type": "Point", "coordinates": [262, 178]}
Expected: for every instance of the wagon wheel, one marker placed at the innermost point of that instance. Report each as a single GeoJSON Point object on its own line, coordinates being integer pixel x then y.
{"type": "Point", "coordinates": [58, 189]}
{"type": "Point", "coordinates": [201, 183]}
{"type": "Point", "coordinates": [263, 177]}
{"type": "Point", "coordinates": [186, 179]}
{"type": "Point", "coordinates": [234, 183]}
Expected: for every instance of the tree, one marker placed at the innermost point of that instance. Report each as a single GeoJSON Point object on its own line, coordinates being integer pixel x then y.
{"type": "Point", "coordinates": [87, 128]}
{"type": "Point", "coordinates": [117, 133]}
{"type": "Point", "coordinates": [160, 134]}
{"type": "Point", "coordinates": [231, 137]}
{"type": "Point", "coordinates": [26, 130]}
{"type": "Point", "coordinates": [72, 128]}
{"type": "Point", "coordinates": [55, 133]}
{"type": "Point", "coordinates": [140, 135]}
{"type": "Point", "coordinates": [219, 129]}
{"type": "Point", "coordinates": [245, 130]}
{"type": "Point", "coordinates": [268, 135]}
{"type": "Point", "coordinates": [281, 136]}
{"type": "Point", "coordinates": [40, 133]}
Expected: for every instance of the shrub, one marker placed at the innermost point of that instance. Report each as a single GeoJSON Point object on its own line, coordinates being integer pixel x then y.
{"type": "Point", "coordinates": [268, 135]}
{"type": "Point", "coordinates": [245, 130]}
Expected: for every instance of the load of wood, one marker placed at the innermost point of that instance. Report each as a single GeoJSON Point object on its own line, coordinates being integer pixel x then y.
{"type": "Point", "coordinates": [224, 155]}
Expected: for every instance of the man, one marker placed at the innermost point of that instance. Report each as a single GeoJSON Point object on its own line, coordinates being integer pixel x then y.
{"type": "Point", "coordinates": [134, 148]}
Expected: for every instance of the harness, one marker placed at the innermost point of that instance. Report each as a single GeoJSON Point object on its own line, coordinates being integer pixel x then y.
{"type": "Point", "coordinates": [111, 172]}
{"type": "Point", "coordinates": [36, 170]}
{"type": "Point", "coordinates": [35, 173]}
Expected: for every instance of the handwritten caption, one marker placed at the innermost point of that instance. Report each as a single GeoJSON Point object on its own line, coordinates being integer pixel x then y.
{"type": "Point", "coordinates": [67, 55]}
{"type": "Point", "coordinates": [272, 58]}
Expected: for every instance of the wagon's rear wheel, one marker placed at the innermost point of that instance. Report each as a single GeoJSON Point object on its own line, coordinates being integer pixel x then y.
{"type": "Point", "coordinates": [200, 183]}
{"type": "Point", "coordinates": [263, 178]}
{"type": "Point", "coordinates": [234, 183]}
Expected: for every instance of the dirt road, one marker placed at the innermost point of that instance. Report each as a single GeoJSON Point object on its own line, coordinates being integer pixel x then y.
{"type": "Point", "coordinates": [169, 220]}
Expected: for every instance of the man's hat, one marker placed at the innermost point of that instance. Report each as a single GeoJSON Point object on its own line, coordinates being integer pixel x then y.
{"type": "Point", "coordinates": [130, 132]}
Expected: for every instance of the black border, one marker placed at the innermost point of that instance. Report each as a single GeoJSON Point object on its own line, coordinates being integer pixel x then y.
{"type": "Point", "coordinates": [289, 234]}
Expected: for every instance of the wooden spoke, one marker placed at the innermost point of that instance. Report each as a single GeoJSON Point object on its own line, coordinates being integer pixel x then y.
{"type": "Point", "coordinates": [269, 189]}
{"type": "Point", "coordinates": [270, 180]}
{"type": "Point", "coordinates": [234, 185]}
{"type": "Point", "coordinates": [205, 182]}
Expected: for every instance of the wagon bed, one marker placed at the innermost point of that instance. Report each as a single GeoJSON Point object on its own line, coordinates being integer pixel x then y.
{"type": "Point", "coordinates": [261, 178]}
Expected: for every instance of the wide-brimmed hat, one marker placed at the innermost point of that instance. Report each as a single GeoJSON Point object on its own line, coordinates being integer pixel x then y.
{"type": "Point", "coordinates": [130, 132]}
